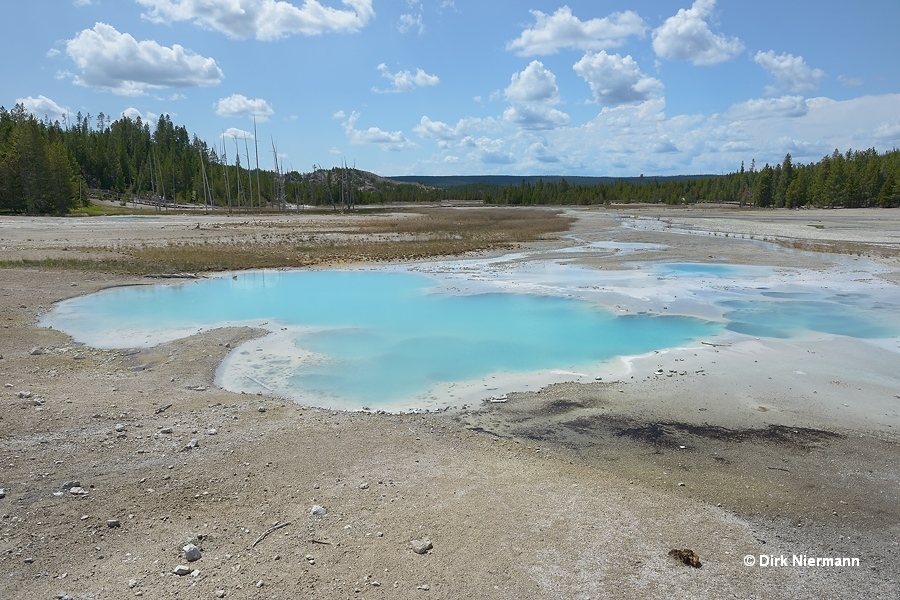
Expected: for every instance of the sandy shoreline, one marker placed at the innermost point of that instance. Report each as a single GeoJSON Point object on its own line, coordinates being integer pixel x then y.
{"type": "Point", "coordinates": [783, 447]}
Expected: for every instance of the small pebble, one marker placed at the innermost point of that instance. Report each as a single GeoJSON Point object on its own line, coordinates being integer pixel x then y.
{"type": "Point", "coordinates": [191, 553]}
{"type": "Point", "coordinates": [421, 546]}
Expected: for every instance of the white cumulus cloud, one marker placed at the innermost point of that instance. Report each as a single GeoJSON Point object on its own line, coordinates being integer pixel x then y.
{"type": "Point", "coordinates": [436, 130]}
{"type": "Point", "coordinates": [534, 84]}
{"type": "Point", "coordinates": [233, 133]}
{"type": "Point", "coordinates": [262, 19]}
{"type": "Point", "coordinates": [533, 93]}
{"type": "Point", "coordinates": [687, 36]}
{"type": "Point", "coordinates": [43, 106]}
{"type": "Point", "coordinates": [388, 140]}
{"type": "Point", "coordinates": [615, 79]}
{"type": "Point", "coordinates": [770, 108]}
{"type": "Point", "coordinates": [562, 29]}
{"type": "Point", "coordinates": [790, 71]}
{"type": "Point", "coordinates": [116, 61]}
{"type": "Point", "coordinates": [238, 105]}
{"type": "Point", "coordinates": [405, 81]}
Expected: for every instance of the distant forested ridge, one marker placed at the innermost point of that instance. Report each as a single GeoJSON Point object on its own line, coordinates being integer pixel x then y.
{"type": "Point", "coordinates": [851, 180]}
{"type": "Point", "coordinates": [49, 168]}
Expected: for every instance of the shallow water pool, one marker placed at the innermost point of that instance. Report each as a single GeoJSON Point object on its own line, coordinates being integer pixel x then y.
{"type": "Point", "coordinates": [370, 338]}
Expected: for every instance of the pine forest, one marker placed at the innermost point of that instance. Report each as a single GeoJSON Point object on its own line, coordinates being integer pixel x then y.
{"type": "Point", "coordinates": [48, 168]}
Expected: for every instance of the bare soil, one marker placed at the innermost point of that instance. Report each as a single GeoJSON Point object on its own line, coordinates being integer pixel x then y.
{"type": "Point", "coordinates": [576, 491]}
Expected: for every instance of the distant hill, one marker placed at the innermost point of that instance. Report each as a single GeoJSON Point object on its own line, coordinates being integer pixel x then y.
{"type": "Point", "coordinates": [446, 181]}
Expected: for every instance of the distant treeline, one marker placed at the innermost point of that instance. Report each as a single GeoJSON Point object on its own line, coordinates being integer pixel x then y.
{"type": "Point", "coordinates": [47, 168]}
{"type": "Point", "coordinates": [850, 180]}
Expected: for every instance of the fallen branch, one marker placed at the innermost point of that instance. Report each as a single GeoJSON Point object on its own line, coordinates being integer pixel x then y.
{"type": "Point", "coordinates": [268, 531]}
{"type": "Point", "coordinates": [257, 382]}
{"type": "Point", "coordinates": [162, 409]}
{"type": "Point", "coordinates": [779, 469]}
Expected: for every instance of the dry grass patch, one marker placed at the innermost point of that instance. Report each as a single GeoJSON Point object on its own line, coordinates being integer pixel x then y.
{"type": "Point", "coordinates": [359, 237]}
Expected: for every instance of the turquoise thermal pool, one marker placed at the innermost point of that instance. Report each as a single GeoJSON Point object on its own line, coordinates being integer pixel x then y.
{"type": "Point", "coordinates": [361, 338]}
{"type": "Point", "coordinates": [396, 339]}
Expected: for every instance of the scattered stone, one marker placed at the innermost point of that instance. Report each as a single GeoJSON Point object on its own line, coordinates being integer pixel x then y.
{"type": "Point", "coordinates": [71, 484]}
{"type": "Point", "coordinates": [37, 351]}
{"type": "Point", "coordinates": [29, 560]}
{"type": "Point", "coordinates": [181, 570]}
{"type": "Point", "coordinates": [364, 486]}
{"type": "Point", "coordinates": [318, 511]}
{"type": "Point", "coordinates": [424, 587]}
{"type": "Point", "coordinates": [686, 556]}
{"type": "Point", "coordinates": [120, 427]}
{"type": "Point", "coordinates": [132, 583]}
{"type": "Point", "coordinates": [166, 430]}
{"type": "Point", "coordinates": [421, 546]}
{"type": "Point", "coordinates": [262, 409]}
{"type": "Point", "coordinates": [113, 523]}
{"type": "Point", "coordinates": [2, 492]}
{"type": "Point", "coordinates": [24, 394]}
{"type": "Point", "coordinates": [220, 593]}
{"type": "Point", "coordinates": [212, 431]}
{"type": "Point", "coordinates": [191, 553]}
{"type": "Point", "coordinates": [191, 445]}
{"type": "Point", "coordinates": [78, 491]}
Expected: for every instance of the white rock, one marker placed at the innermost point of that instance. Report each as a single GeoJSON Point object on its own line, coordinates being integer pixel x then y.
{"type": "Point", "coordinates": [191, 553]}
{"type": "Point", "coordinates": [181, 570]}
{"type": "Point", "coordinates": [318, 511]}
{"type": "Point", "coordinates": [421, 546]}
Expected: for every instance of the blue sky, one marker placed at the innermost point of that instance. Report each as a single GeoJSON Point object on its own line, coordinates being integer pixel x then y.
{"type": "Point", "coordinates": [456, 87]}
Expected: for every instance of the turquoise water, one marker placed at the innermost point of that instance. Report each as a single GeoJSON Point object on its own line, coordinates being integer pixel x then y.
{"type": "Point", "coordinates": [791, 313]}
{"type": "Point", "coordinates": [353, 339]}
{"type": "Point", "coordinates": [376, 336]}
